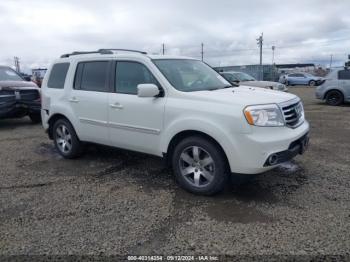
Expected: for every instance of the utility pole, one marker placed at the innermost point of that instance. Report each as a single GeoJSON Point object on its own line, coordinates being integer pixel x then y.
{"type": "Point", "coordinates": [202, 51]}
{"type": "Point", "coordinates": [330, 62]}
{"type": "Point", "coordinates": [163, 49]}
{"type": "Point", "coordinates": [17, 64]}
{"type": "Point", "coordinates": [273, 61]}
{"type": "Point", "coordinates": [260, 44]}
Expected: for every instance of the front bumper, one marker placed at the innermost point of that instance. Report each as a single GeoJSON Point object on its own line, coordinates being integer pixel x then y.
{"type": "Point", "coordinates": [18, 103]}
{"type": "Point", "coordinates": [14, 109]}
{"type": "Point", "coordinates": [297, 147]}
{"type": "Point", "coordinates": [319, 93]}
{"type": "Point", "coordinates": [249, 153]}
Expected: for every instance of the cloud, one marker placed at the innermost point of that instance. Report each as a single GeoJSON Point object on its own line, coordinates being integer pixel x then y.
{"type": "Point", "coordinates": [301, 31]}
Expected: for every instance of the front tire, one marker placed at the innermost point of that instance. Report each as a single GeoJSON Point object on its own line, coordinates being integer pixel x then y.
{"type": "Point", "coordinates": [200, 166]}
{"type": "Point", "coordinates": [312, 83]}
{"type": "Point", "coordinates": [334, 98]}
{"type": "Point", "coordinates": [66, 140]}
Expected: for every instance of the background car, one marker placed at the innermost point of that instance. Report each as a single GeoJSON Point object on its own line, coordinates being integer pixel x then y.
{"type": "Point", "coordinates": [336, 87]}
{"type": "Point", "coordinates": [236, 78]}
{"type": "Point", "coordinates": [300, 79]}
{"type": "Point", "coordinates": [18, 98]}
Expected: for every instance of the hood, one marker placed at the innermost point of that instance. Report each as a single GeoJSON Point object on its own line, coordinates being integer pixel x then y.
{"type": "Point", "coordinates": [13, 85]}
{"type": "Point", "coordinates": [260, 83]}
{"type": "Point", "coordinates": [244, 95]}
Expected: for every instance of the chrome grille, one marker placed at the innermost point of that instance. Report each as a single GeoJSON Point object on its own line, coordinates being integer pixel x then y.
{"type": "Point", "coordinates": [293, 113]}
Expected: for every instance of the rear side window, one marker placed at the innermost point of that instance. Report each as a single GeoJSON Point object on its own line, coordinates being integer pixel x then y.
{"type": "Point", "coordinates": [92, 76]}
{"type": "Point", "coordinates": [58, 75]}
{"type": "Point", "coordinates": [131, 74]}
{"type": "Point", "coordinates": [344, 75]}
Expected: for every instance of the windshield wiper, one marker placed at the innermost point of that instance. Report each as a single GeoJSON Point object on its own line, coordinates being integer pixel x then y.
{"type": "Point", "coordinates": [216, 88]}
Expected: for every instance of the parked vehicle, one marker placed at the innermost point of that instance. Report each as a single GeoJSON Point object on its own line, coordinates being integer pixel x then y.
{"type": "Point", "coordinates": [241, 78]}
{"type": "Point", "coordinates": [18, 98]}
{"type": "Point", "coordinates": [335, 89]}
{"type": "Point", "coordinates": [300, 79]}
{"type": "Point", "coordinates": [173, 107]}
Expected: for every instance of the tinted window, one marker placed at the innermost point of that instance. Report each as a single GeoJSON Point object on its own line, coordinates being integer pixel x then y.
{"type": "Point", "coordinates": [131, 74]}
{"type": "Point", "coordinates": [293, 75]}
{"type": "Point", "coordinates": [92, 76]}
{"type": "Point", "coordinates": [58, 75]}
{"type": "Point", "coordinates": [344, 74]}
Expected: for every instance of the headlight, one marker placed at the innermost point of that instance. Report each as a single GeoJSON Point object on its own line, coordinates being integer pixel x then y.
{"type": "Point", "coordinates": [264, 115]}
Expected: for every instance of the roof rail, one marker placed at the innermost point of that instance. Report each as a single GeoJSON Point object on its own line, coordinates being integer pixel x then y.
{"type": "Point", "coordinates": [103, 51]}
{"type": "Point", "coordinates": [83, 53]}
{"type": "Point", "coordinates": [107, 50]}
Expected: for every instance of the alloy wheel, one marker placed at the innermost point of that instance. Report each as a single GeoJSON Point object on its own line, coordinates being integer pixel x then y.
{"type": "Point", "coordinates": [197, 166]}
{"type": "Point", "coordinates": [333, 98]}
{"type": "Point", "coordinates": [63, 139]}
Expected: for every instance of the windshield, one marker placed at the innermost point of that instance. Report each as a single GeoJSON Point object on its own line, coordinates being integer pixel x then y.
{"type": "Point", "coordinates": [243, 77]}
{"type": "Point", "coordinates": [7, 74]}
{"type": "Point", "coordinates": [190, 75]}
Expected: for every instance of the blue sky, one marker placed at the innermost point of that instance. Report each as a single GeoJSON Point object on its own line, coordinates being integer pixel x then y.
{"type": "Point", "coordinates": [39, 31]}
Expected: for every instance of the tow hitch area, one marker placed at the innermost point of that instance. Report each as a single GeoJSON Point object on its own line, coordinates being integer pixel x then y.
{"type": "Point", "coordinates": [297, 147]}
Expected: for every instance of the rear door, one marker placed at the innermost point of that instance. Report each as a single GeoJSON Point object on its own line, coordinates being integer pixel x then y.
{"type": "Point", "coordinates": [89, 100]}
{"type": "Point", "coordinates": [135, 122]}
{"type": "Point", "coordinates": [344, 83]}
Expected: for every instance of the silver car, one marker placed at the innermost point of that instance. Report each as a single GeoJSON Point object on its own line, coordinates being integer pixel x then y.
{"type": "Point", "coordinates": [335, 89]}
{"type": "Point", "coordinates": [236, 78]}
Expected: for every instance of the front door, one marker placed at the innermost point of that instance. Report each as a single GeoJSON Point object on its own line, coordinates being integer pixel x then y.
{"type": "Point", "coordinates": [135, 122]}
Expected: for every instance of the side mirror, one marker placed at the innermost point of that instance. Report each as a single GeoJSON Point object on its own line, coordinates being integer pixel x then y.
{"type": "Point", "coordinates": [147, 90]}
{"type": "Point", "coordinates": [27, 78]}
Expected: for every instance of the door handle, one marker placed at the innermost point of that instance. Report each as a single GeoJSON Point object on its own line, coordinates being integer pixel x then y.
{"type": "Point", "coordinates": [116, 106]}
{"type": "Point", "coordinates": [73, 100]}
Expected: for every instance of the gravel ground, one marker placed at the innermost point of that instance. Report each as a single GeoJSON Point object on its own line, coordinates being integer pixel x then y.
{"type": "Point", "coordinates": [114, 202]}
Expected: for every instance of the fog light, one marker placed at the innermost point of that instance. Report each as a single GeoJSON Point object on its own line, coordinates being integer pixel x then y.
{"type": "Point", "coordinates": [273, 159]}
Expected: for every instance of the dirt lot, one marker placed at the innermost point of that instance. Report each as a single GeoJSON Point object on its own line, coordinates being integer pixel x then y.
{"type": "Point", "coordinates": [113, 202]}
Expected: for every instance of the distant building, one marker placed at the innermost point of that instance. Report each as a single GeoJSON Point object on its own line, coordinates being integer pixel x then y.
{"type": "Point", "coordinates": [38, 73]}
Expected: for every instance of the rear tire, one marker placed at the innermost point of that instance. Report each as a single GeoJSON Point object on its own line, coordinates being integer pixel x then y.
{"type": "Point", "coordinates": [35, 118]}
{"type": "Point", "coordinates": [66, 140]}
{"type": "Point", "coordinates": [334, 98]}
{"type": "Point", "coordinates": [200, 166]}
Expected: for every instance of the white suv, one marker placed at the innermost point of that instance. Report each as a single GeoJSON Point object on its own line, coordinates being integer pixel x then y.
{"type": "Point", "coordinates": [173, 107]}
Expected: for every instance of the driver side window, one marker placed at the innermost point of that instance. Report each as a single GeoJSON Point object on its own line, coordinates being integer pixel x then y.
{"type": "Point", "coordinates": [131, 74]}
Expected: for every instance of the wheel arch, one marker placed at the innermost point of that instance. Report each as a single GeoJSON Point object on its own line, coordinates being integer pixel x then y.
{"type": "Point", "coordinates": [52, 121]}
{"type": "Point", "coordinates": [333, 89]}
{"type": "Point", "coordinates": [188, 133]}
